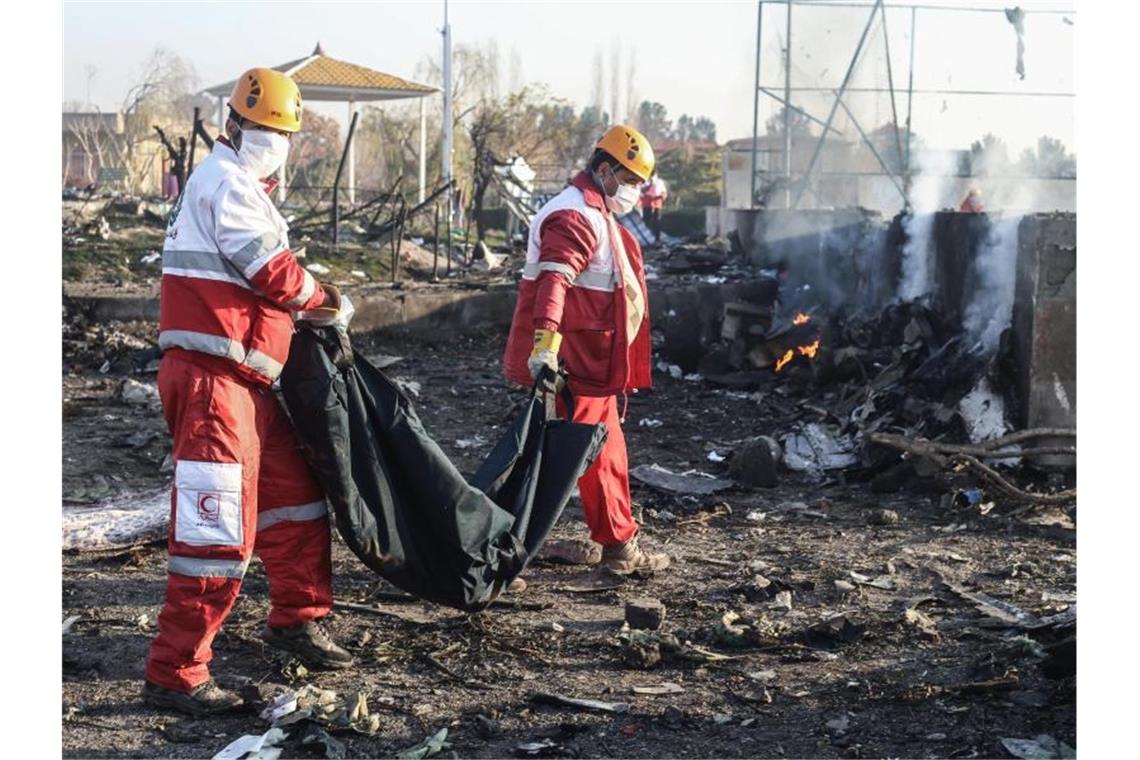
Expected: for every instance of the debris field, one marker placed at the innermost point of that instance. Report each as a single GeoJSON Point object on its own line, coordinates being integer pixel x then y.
{"type": "Point", "coordinates": [851, 603]}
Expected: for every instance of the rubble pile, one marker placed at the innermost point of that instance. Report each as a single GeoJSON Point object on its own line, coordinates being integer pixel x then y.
{"type": "Point", "coordinates": [108, 347]}
{"type": "Point", "coordinates": [891, 397]}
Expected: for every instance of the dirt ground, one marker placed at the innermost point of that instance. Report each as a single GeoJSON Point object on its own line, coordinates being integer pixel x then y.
{"type": "Point", "coordinates": [894, 691]}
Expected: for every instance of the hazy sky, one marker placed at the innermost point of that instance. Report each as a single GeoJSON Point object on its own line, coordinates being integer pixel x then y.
{"type": "Point", "coordinates": [694, 57]}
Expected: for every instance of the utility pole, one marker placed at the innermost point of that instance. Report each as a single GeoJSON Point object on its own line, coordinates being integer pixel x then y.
{"type": "Point", "coordinates": [909, 98]}
{"type": "Point", "coordinates": [447, 126]}
{"type": "Point", "coordinates": [788, 110]}
{"type": "Point", "coordinates": [755, 105]}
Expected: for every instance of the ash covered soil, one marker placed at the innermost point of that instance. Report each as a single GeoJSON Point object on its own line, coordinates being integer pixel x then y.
{"type": "Point", "coordinates": [951, 682]}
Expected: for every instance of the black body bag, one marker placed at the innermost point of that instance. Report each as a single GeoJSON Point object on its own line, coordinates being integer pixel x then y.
{"type": "Point", "coordinates": [398, 501]}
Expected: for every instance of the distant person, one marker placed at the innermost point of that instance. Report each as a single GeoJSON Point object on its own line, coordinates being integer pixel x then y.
{"type": "Point", "coordinates": [972, 203]}
{"type": "Point", "coordinates": [654, 193]}
{"type": "Point", "coordinates": [175, 179]}
{"type": "Point", "coordinates": [583, 300]}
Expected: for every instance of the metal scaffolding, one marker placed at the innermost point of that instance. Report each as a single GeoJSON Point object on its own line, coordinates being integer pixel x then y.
{"type": "Point", "coordinates": [900, 179]}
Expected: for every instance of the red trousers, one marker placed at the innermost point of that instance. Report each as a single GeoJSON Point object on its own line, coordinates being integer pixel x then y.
{"type": "Point", "coordinates": [240, 487]}
{"type": "Point", "coordinates": [604, 487]}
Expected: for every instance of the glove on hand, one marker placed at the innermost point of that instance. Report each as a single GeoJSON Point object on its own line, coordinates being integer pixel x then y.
{"type": "Point", "coordinates": [336, 311]}
{"type": "Point", "coordinates": [545, 353]}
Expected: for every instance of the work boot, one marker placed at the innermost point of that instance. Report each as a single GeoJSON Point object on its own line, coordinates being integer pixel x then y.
{"type": "Point", "coordinates": [205, 699]}
{"type": "Point", "coordinates": [310, 644]}
{"type": "Point", "coordinates": [629, 557]}
{"type": "Point", "coordinates": [571, 552]}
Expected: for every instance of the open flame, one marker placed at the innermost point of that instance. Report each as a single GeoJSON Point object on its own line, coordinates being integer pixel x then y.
{"type": "Point", "coordinates": [809, 350]}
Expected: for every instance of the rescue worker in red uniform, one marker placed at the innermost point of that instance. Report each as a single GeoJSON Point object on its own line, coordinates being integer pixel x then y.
{"type": "Point", "coordinates": [583, 299]}
{"type": "Point", "coordinates": [654, 193]}
{"type": "Point", "coordinates": [231, 289]}
{"type": "Point", "coordinates": [972, 203]}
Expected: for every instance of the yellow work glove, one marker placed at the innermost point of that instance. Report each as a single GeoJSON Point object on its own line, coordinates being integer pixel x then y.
{"type": "Point", "coordinates": [545, 353]}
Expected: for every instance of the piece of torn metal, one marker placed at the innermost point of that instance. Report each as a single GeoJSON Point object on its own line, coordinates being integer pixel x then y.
{"type": "Point", "coordinates": [430, 746]}
{"type": "Point", "coordinates": [691, 482]}
{"type": "Point", "coordinates": [1041, 747]}
{"type": "Point", "coordinates": [815, 449]}
{"type": "Point", "coordinates": [251, 747]}
{"type": "Point", "coordinates": [560, 700]}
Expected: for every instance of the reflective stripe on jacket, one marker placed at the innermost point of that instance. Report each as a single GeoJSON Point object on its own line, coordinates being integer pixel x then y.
{"type": "Point", "coordinates": [573, 284]}
{"type": "Point", "coordinates": [229, 279]}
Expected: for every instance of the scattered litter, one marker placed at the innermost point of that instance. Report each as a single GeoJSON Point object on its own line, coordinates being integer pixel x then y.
{"type": "Point", "coordinates": [656, 691]}
{"type": "Point", "coordinates": [584, 704]}
{"type": "Point", "coordinates": [1042, 747]}
{"type": "Point", "coordinates": [317, 268]}
{"type": "Point", "coordinates": [839, 725]}
{"type": "Point", "coordinates": [763, 676]}
{"type": "Point", "coordinates": [844, 587]}
{"type": "Point", "coordinates": [983, 411]}
{"type": "Point", "coordinates": [672, 370]}
{"type": "Point", "coordinates": [884, 582]}
{"type": "Point", "coordinates": [359, 274]}
{"type": "Point", "coordinates": [280, 706]}
{"type": "Point", "coordinates": [923, 623]}
{"type": "Point", "coordinates": [649, 422]}
{"type": "Point", "coordinates": [832, 631]}
{"type": "Point", "coordinates": [429, 747]}
{"type": "Point", "coordinates": [68, 622]}
{"type": "Point", "coordinates": [693, 378]}
{"type": "Point", "coordinates": [250, 747]}
{"type": "Point", "coordinates": [136, 393]}
{"type": "Point", "coordinates": [997, 609]}
{"type": "Point", "coordinates": [782, 601]}
{"type": "Point", "coordinates": [473, 442]}
{"type": "Point", "coordinates": [755, 515]}
{"type": "Point", "coordinates": [815, 449]}
{"type": "Point", "coordinates": [383, 361]}
{"type": "Point", "coordinates": [656, 476]}
{"type": "Point", "coordinates": [408, 387]}
{"type": "Point", "coordinates": [716, 457]}
{"type": "Point", "coordinates": [883, 517]}
{"type": "Point", "coordinates": [129, 520]}
{"type": "Point", "coordinates": [542, 747]}
{"type": "Point", "coordinates": [645, 613]}
{"type": "Point", "coordinates": [150, 258]}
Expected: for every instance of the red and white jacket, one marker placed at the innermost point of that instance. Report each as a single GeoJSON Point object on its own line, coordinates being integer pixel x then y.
{"type": "Point", "coordinates": [654, 193]}
{"type": "Point", "coordinates": [229, 280]}
{"type": "Point", "coordinates": [572, 284]}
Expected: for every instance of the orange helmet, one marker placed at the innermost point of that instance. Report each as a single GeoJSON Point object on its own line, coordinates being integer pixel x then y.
{"type": "Point", "coordinates": [630, 148]}
{"type": "Point", "coordinates": [269, 98]}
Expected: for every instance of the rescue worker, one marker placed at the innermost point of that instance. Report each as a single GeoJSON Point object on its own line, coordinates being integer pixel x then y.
{"type": "Point", "coordinates": [654, 193]}
{"type": "Point", "coordinates": [583, 299]}
{"type": "Point", "coordinates": [972, 203]}
{"type": "Point", "coordinates": [231, 288]}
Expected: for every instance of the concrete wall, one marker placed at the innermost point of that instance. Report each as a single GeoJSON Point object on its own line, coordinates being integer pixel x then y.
{"type": "Point", "coordinates": [1045, 320]}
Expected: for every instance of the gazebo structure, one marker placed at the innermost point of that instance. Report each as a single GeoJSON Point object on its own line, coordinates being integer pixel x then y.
{"type": "Point", "coordinates": [323, 78]}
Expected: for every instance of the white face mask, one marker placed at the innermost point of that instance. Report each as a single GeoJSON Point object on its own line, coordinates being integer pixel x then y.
{"type": "Point", "coordinates": [262, 152]}
{"type": "Point", "coordinates": [624, 199]}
